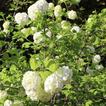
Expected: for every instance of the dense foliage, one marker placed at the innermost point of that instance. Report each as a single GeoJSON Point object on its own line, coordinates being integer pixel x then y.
{"type": "Point", "coordinates": [54, 55]}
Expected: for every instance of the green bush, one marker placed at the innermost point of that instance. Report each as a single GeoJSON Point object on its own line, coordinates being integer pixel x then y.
{"type": "Point", "coordinates": [47, 43]}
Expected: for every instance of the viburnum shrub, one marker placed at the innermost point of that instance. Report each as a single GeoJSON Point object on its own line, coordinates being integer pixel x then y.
{"type": "Point", "coordinates": [47, 59]}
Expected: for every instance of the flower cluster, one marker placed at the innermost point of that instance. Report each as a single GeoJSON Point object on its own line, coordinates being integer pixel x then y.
{"type": "Point", "coordinates": [58, 11]}
{"type": "Point", "coordinates": [72, 14]}
{"type": "Point", "coordinates": [36, 10]}
{"type": "Point", "coordinates": [39, 7]}
{"type": "Point", "coordinates": [38, 36]}
{"type": "Point", "coordinates": [57, 80]}
{"type": "Point", "coordinates": [21, 18]}
{"type": "Point", "coordinates": [54, 83]}
{"type": "Point", "coordinates": [96, 59]}
{"type": "Point", "coordinates": [96, 64]}
{"type": "Point", "coordinates": [32, 84]}
{"type": "Point", "coordinates": [8, 103]}
{"type": "Point", "coordinates": [6, 26]}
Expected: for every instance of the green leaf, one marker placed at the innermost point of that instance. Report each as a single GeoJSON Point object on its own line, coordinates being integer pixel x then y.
{"type": "Point", "coordinates": [13, 69]}
{"type": "Point", "coordinates": [26, 45]}
{"type": "Point", "coordinates": [44, 74]}
{"type": "Point", "coordinates": [53, 67]}
{"type": "Point", "coordinates": [34, 63]}
{"type": "Point", "coordinates": [88, 103]}
{"type": "Point", "coordinates": [47, 61]}
{"type": "Point", "coordinates": [2, 43]}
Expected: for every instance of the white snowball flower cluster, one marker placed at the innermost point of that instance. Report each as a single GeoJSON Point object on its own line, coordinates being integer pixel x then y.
{"type": "Point", "coordinates": [8, 103]}
{"type": "Point", "coordinates": [72, 14]}
{"type": "Point", "coordinates": [6, 26]}
{"type": "Point", "coordinates": [57, 11]}
{"type": "Point", "coordinates": [51, 6]}
{"type": "Point", "coordinates": [96, 59]}
{"type": "Point", "coordinates": [37, 37]}
{"type": "Point", "coordinates": [31, 80]}
{"type": "Point", "coordinates": [3, 94]}
{"type": "Point", "coordinates": [21, 18]}
{"type": "Point", "coordinates": [99, 67]}
{"type": "Point", "coordinates": [65, 74]}
{"type": "Point", "coordinates": [32, 85]}
{"type": "Point", "coordinates": [53, 84]}
{"type": "Point", "coordinates": [75, 28]}
{"type": "Point", "coordinates": [57, 80]}
{"type": "Point", "coordinates": [38, 7]}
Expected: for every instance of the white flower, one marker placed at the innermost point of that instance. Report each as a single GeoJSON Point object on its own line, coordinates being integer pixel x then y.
{"type": "Point", "coordinates": [53, 84]}
{"type": "Point", "coordinates": [21, 18]}
{"type": "Point", "coordinates": [33, 88]}
{"type": "Point", "coordinates": [48, 32]}
{"type": "Point", "coordinates": [42, 5]}
{"type": "Point", "coordinates": [65, 25]}
{"type": "Point", "coordinates": [51, 6]}
{"type": "Point", "coordinates": [57, 11]}
{"type": "Point", "coordinates": [33, 14]}
{"type": "Point", "coordinates": [8, 103]}
{"type": "Point", "coordinates": [65, 74]}
{"type": "Point", "coordinates": [38, 7]}
{"type": "Point", "coordinates": [3, 94]}
{"type": "Point", "coordinates": [89, 70]}
{"type": "Point", "coordinates": [76, 29]}
{"type": "Point", "coordinates": [6, 25]}
{"type": "Point", "coordinates": [72, 14]}
{"type": "Point", "coordinates": [99, 67]}
{"type": "Point", "coordinates": [32, 94]}
{"type": "Point", "coordinates": [31, 80]}
{"type": "Point", "coordinates": [96, 59]}
{"type": "Point", "coordinates": [37, 37]}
